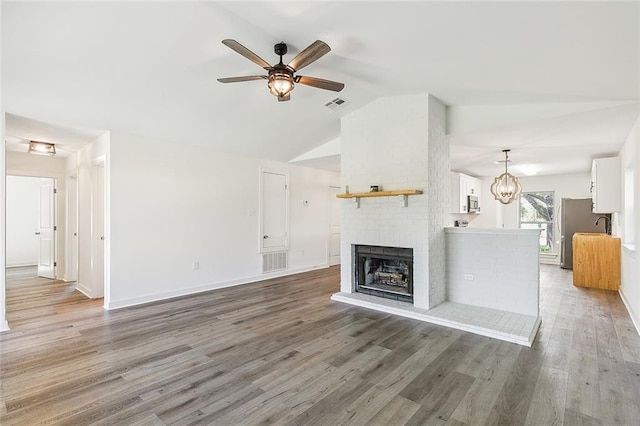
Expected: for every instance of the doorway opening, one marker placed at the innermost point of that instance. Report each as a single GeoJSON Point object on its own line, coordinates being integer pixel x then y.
{"type": "Point", "coordinates": [31, 214]}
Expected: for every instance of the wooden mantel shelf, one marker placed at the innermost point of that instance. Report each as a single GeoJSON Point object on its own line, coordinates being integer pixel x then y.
{"type": "Point", "coordinates": [380, 193]}
{"type": "Point", "coordinates": [403, 193]}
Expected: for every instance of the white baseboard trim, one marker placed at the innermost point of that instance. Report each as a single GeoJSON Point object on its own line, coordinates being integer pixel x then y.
{"type": "Point", "coordinates": [4, 326]}
{"type": "Point", "coordinates": [636, 321]}
{"type": "Point", "coordinates": [422, 315]}
{"type": "Point", "coordinates": [118, 304]}
{"type": "Point", "coordinates": [82, 289]}
{"type": "Point", "coordinates": [21, 265]}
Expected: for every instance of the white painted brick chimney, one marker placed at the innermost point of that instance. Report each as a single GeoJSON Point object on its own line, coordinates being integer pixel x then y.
{"type": "Point", "coordinates": [398, 142]}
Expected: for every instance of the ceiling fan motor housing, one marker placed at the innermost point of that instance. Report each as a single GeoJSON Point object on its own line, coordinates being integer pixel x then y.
{"type": "Point", "coordinates": [280, 48]}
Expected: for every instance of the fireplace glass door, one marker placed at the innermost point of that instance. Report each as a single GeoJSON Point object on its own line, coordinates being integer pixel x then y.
{"type": "Point", "coordinates": [384, 271]}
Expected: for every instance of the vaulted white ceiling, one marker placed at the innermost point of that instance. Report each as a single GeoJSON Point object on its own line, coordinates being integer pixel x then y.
{"type": "Point", "coordinates": [547, 79]}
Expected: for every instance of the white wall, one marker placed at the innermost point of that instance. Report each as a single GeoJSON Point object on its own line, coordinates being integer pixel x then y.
{"type": "Point", "coordinates": [513, 287]}
{"type": "Point", "coordinates": [171, 205]}
{"type": "Point", "coordinates": [630, 284]}
{"type": "Point", "coordinates": [82, 165]}
{"type": "Point", "coordinates": [22, 205]}
{"type": "Point", "coordinates": [3, 317]}
{"type": "Point", "coordinates": [23, 164]}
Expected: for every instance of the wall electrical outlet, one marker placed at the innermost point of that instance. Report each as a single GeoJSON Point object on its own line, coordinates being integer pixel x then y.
{"type": "Point", "coordinates": [196, 265]}
{"type": "Point", "coordinates": [468, 277]}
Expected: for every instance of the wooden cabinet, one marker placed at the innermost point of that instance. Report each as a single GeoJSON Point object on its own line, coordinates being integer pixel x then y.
{"type": "Point", "coordinates": [463, 186]}
{"type": "Point", "coordinates": [596, 261]}
{"type": "Point", "coordinates": [605, 185]}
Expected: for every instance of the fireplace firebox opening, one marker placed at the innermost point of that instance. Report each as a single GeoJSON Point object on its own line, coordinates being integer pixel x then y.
{"type": "Point", "coordinates": [383, 271]}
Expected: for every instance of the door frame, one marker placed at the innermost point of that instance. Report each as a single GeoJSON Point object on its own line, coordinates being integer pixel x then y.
{"type": "Point", "coordinates": [331, 197]}
{"type": "Point", "coordinates": [99, 166]}
{"type": "Point", "coordinates": [285, 173]}
{"type": "Point", "coordinates": [71, 237]}
{"type": "Point", "coordinates": [53, 217]}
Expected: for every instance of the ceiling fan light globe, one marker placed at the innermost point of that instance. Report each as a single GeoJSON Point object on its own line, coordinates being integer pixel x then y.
{"type": "Point", "coordinates": [280, 84]}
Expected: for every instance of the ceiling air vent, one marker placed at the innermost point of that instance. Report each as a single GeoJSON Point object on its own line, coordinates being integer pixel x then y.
{"type": "Point", "coordinates": [337, 104]}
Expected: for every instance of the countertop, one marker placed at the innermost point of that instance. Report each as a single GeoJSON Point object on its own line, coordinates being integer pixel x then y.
{"type": "Point", "coordinates": [497, 231]}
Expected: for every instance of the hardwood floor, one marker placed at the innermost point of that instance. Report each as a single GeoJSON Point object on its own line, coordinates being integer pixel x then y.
{"type": "Point", "coordinates": [281, 352]}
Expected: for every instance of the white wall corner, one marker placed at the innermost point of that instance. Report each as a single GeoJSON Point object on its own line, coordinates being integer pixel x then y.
{"type": "Point", "coordinates": [325, 150]}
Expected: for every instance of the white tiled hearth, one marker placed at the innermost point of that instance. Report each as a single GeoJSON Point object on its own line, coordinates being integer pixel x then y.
{"type": "Point", "coordinates": [502, 325]}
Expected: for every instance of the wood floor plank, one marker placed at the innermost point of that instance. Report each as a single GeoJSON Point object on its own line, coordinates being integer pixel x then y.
{"type": "Point", "coordinates": [281, 352]}
{"type": "Point", "coordinates": [547, 406]}
{"type": "Point", "coordinates": [583, 386]}
{"type": "Point", "coordinates": [616, 388]}
{"type": "Point", "coordinates": [437, 406]}
{"type": "Point", "coordinates": [476, 406]}
{"type": "Point", "coordinates": [575, 418]}
{"type": "Point", "coordinates": [514, 400]}
{"type": "Point", "coordinates": [397, 412]}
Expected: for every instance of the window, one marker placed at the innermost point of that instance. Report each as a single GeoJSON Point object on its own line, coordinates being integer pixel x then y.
{"type": "Point", "coordinates": [536, 212]}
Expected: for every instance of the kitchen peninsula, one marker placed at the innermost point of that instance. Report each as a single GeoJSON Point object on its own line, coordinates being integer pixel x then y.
{"type": "Point", "coordinates": [493, 267]}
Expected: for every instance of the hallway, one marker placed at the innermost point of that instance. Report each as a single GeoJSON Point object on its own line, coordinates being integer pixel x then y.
{"type": "Point", "coordinates": [34, 301]}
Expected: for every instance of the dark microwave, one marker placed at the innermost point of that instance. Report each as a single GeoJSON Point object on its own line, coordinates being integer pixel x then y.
{"type": "Point", "coordinates": [472, 204]}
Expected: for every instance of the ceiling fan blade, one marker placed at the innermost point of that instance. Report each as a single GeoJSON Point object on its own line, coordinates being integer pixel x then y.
{"type": "Point", "coordinates": [320, 83]}
{"type": "Point", "coordinates": [312, 53]}
{"type": "Point", "coordinates": [284, 98]}
{"type": "Point", "coordinates": [234, 45]}
{"type": "Point", "coordinates": [244, 78]}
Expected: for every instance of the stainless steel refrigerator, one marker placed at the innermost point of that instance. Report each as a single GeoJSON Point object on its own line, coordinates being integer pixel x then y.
{"type": "Point", "coordinates": [575, 216]}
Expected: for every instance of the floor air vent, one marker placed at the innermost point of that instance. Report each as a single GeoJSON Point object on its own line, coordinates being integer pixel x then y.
{"type": "Point", "coordinates": [276, 261]}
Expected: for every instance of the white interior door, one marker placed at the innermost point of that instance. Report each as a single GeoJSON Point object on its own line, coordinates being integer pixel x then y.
{"type": "Point", "coordinates": [274, 211]}
{"type": "Point", "coordinates": [334, 226]}
{"type": "Point", "coordinates": [46, 229]}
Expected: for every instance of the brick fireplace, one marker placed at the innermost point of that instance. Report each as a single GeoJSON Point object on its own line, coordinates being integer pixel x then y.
{"type": "Point", "coordinates": [397, 143]}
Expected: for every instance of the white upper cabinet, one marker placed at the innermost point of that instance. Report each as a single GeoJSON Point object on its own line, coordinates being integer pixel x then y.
{"type": "Point", "coordinates": [463, 186]}
{"type": "Point", "coordinates": [605, 185]}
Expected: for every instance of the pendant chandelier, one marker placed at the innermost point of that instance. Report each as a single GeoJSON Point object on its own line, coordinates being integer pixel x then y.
{"type": "Point", "coordinates": [506, 188]}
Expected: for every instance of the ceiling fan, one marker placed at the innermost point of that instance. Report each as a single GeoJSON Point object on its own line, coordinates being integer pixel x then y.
{"type": "Point", "coordinates": [280, 77]}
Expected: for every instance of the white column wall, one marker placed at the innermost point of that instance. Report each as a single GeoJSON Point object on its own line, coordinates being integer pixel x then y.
{"type": "Point", "coordinates": [388, 143]}
{"type": "Point", "coordinates": [439, 193]}
{"type": "Point", "coordinates": [630, 283]}
{"type": "Point", "coordinates": [82, 165]}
